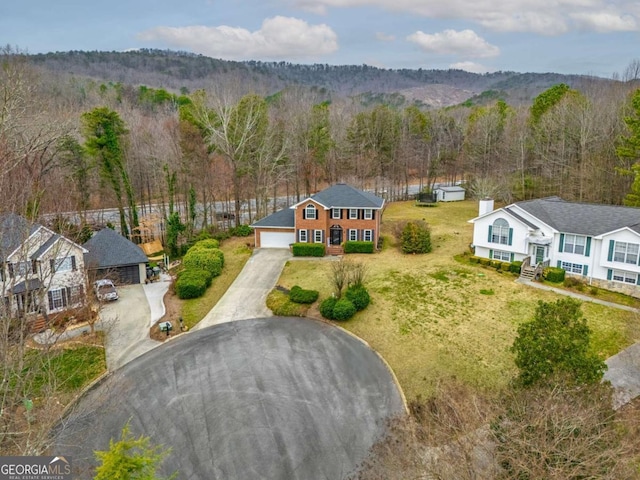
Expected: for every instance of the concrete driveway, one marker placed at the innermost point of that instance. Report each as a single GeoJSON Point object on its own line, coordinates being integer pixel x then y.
{"type": "Point", "coordinates": [247, 295]}
{"type": "Point", "coordinates": [271, 398]}
{"type": "Point", "coordinates": [126, 326]}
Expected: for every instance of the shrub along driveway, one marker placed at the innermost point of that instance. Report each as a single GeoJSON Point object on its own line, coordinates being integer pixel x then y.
{"type": "Point", "coordinates": [246, 297]}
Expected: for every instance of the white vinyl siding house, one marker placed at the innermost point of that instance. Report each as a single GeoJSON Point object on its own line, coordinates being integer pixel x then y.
{"type": "Point", "coordinates": [599, 243]}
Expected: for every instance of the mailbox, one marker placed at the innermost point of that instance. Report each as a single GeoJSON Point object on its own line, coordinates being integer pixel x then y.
{"type": "Point", "coordinates": [166, 326]}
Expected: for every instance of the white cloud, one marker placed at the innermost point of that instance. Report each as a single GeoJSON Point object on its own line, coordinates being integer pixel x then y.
{"type": "Point", "coordinates": [278, 37]}
{"type": "Point", "coordinates": [383, 37]}
{"type": "Point", "coordinates": [605, 22]}
{"type": "Point", "coordinates": [451, 42]}
{"type": "Point", "coordinates": [546, 17]}
{"type": "Point", "coordinates": [471, 67]}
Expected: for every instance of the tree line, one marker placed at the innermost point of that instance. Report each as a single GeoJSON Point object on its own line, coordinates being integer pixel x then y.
{"type": "Point", "coordinates": [72, 144]}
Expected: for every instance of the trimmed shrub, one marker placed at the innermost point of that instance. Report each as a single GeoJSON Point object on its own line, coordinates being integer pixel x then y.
{"type": "Point", "coordinates": [192, 283]}
{"type": "Point", "coordinates": [496, 264]}
{"type": "Point", "coordinates": [300, 295]}
{"type": "Point", "coordinates": [474, 259]}
{"type": "Point", "coordinates": [343, 309]}
{"type": "Point", "coordinates": [358, 247]}
{"type": "Point", "coordinates": [326, 307]}
{"type": "Point", "coordinates": [505, 267]}
{"type": "Point", "coordinates": [209, 259]}
{"type": "Point", "coordinates": [208, 243]}
{"type": "Point", "coordinates": [554, 275]}
{"type": "Point", "coordinates": [515, 267]}
{"type": "Point", "coordinates": [359, 296]}
{"type": "Point", "coordinates": [241, 231]}
{"type": "Point", "coordinates": [416, 237]}
{"type": "Point", "coordinates": [308, 250]}
{"type": "Point", "coordinates": [484, 261]}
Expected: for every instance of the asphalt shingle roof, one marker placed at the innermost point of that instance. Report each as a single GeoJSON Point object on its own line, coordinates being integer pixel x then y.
{"type": "Point", "coordinates": [345, 196]}
{"type": "Point", "coordinates": [282, 218]}
{"type": "Point", "coordinates": [14, 230]}
{"type": "Point", "coordinates": [582, 218]}
{"type": "Point", "coordinates": [45, 246]}
{"type": "Point", "coordinates": [107, 248]}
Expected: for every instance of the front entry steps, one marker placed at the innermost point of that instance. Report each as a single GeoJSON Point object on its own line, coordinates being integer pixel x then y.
{"type": "Point", "coordinates": [335, 250]}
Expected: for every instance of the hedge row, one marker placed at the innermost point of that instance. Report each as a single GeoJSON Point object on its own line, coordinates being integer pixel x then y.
{"type": "Point", "coordinates": [553, 274]}
{"type": "Point", "coordinates": [202, 263]}
{"type": "Point", "coordinates": [513, 267]}
{"type": "Point", "coordinates": [358, 247]}
{"type": "Point", "coordinates": [308, 250]}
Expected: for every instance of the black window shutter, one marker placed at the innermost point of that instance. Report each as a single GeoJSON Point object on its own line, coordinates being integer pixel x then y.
{"type": "Point", "coordinates": [34, 267]}
{"type": "Point", "coordinates": [373, 214]}
{"type": "Point", "coordinates": [10, 270]}
{"type": "Point", "coordinates": [52, 264]}
{"type": "Point", "coordinates": [340, 214]}
{"type": "Point", "coordinates": [304, 213]}
{"type": "Point", "coordinates": [50, 295]}
{"type": "Point", "coordinates": [73, 263]}
{"type": "Point", "coordinates": [66, 298]}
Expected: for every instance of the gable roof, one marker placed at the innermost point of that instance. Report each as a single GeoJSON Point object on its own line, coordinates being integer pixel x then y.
{"type": "Point", "coordinates": [582, 218]}
{"type": "Point", "coordinates": [107, 248]}
{"type": "Point", "coordinates": [14, 230]}
{"type": "Point", "coordinates": [342, 195]}
{"type": "Point", "coordinates": [284, 218]}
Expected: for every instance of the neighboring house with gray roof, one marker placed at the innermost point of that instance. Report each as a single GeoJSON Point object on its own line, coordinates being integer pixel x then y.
{"type": "Point", "coordinates": [110, 255]}
{"type": "Point", "coordinates": [332, 216]}
{"type": "Point", "coordinates": [41, 272]}
{"type": "Point", "coordinates": [600, 243]}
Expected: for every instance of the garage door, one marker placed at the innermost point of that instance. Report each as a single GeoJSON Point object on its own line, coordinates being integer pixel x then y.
{"type": "Point", "coordinates": [276, 239]}
{"type": "Point", "coordinates": [125, 275]}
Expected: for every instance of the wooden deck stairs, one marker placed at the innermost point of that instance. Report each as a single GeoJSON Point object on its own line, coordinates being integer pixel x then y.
{"type": "Point", "coordinates": [530, 272]}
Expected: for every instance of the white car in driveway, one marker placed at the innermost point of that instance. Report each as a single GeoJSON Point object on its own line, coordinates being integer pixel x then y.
{"type": "Point", "coordinates": [105, 290]}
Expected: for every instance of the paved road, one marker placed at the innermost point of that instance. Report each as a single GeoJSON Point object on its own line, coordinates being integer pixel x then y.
{"type": "Point", "coordinates": [126, 324]}
{"type": "Point", "coordinates": [247, 295]}
{"type": "Point", "coordinates": [272, 398]}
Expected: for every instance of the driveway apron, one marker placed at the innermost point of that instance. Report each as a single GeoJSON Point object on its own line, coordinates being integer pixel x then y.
{"type": "Point", "coordinates": [247, 295]}
{"type": "Point", "coordinates": [126, 326]}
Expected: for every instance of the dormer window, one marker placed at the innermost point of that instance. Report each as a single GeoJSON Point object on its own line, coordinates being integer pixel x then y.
{"type": "Point", "coordinates": [310, 212]}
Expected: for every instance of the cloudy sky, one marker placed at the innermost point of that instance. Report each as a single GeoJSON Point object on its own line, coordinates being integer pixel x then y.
{"type": "Point", "coordinates": [598, 37]}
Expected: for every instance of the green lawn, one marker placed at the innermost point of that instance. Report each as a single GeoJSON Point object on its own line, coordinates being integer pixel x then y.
{"type": "Point", "coordinates": [433, 317]}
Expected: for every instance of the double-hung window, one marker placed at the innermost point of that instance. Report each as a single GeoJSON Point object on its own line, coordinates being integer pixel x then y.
{"type": "Point", "coordinates": [572, 267]}
{"type": "Point", "coordinates": [368, 214]}
{"type": "Point", "coordinates": [335, 213]}
{"type": "Point", "coordinates": [353, 235]}
{"type": "Point", "coordinates": [353, 214]}
{"type": "Point", "coordinates": [574, 244]}
{"type": "Point", "coordinates": [302, 236]}
{"type": "Point", "coordinates": [367, 235]}
{"type": "Point", "coordinates": [317, 236]}
{"type": "Point", "coordinates": [500, 232]}
{"type": "Point", "coordinates": [310, 212]}
{"type": "Point", "coordinates": [626, 253]}
{"type": "Point", "coordinates": [501, 255]}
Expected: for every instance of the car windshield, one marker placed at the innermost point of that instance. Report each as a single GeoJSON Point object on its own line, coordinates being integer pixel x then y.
{"type": "Point", "coordinates": [106, 288]}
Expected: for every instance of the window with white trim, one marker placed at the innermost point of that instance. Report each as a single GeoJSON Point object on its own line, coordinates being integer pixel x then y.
{"type": "Point", "coordinates": [76, 294]}
{"type": "Point", "coordinates": [502, 255]}
{"type": "Point", "coordinates": [310, 212]}
{"type": "Point", "coordinates": [574, 244]}
{"type": "Point", "coordinates": [353, 235]}
{"type": "Point", "coordinates": [335, 213]}
{"type": "Point", "coordinates": [500, 232]}
{"type": "Point", "coordinates": [571, 267]}
{"type": "Point", "coordinates": [20, 269]}
{"type": "Point", "coordinates": [626, 253]}
{"type": "Point", "coordinates": [302, 236]}
{"type": "Point", "coordinates": [368, 214]}
{"type": "Point", "coordinates": [57, 299]}
{"type": "Point", "coordinates": [64, 264]}
{"type": "Point", "coordinates": [317, 236]}
{"type": "Point", "coordinates": [367, 235]}
{"type": "Point", "coordinates": [624, 277]}
{"type": "Point", "coordinates": [353, 214]}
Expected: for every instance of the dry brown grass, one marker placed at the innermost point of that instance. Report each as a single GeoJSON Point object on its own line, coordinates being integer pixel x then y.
{"type": "Point", "coordinates": [428, 317]}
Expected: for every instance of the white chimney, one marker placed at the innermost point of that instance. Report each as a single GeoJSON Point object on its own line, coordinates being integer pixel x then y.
{"type": "Point", "coordinates": [486, 206]}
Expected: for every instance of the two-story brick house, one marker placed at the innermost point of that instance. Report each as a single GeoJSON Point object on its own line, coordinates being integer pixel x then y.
{"type": "Point", "coordinates": [333, 216]}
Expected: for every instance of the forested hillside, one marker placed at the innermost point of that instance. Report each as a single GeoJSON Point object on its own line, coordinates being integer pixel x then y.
{"type": "Point", "coordinates": [180, 70]}
{"type": "Point", "coordinates": [82, 131]}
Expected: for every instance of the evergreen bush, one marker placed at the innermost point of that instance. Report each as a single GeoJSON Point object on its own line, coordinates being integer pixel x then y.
{"type": "Point", "coordinates": [359, 296]}
{"type": "Point", "coordinates": [416, 237]}
{"type": "Point", "coordinates": [300, 295]}
{"type": "Point", "coordinates": [308, 250]}
{"type": "Point", "coordinates": [358, 247]}
{"type": "Point", "coordinates": [326, 307]}
{"type": "Point", "coordinates": [554, 275]}
{"type": "Point", "coordinates": [343, 309]}
{"type": "Point", "coordinates": [515, 267]}
{"type": "Point", "coordinates": [209, 259]}
{"type": "Point", "coordinates": [192, 283]}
